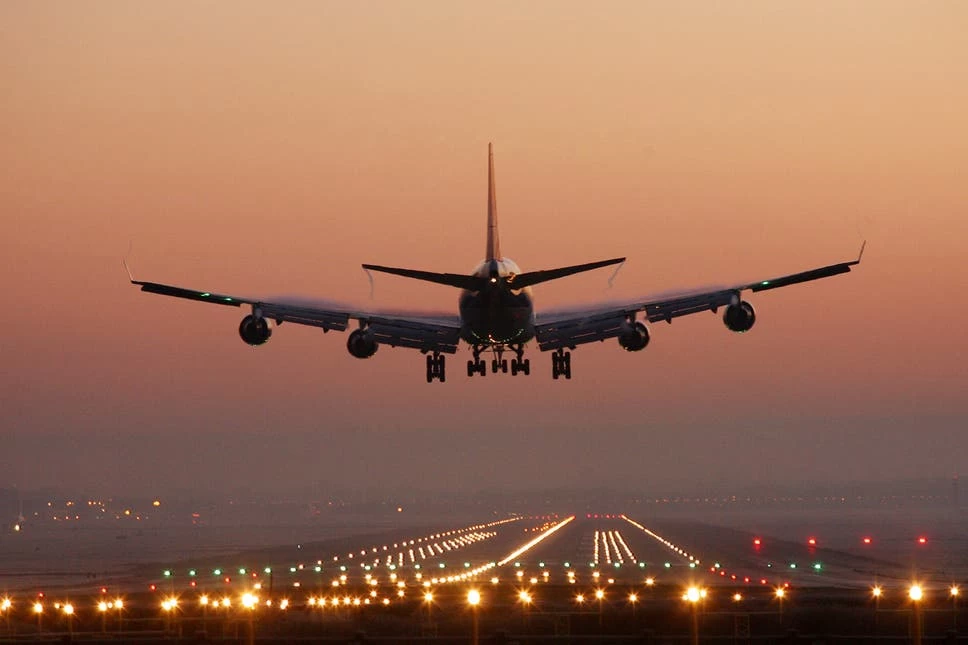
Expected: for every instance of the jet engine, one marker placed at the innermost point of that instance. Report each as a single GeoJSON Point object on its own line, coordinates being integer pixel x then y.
{"type": "Point", "coordinates": [739, 317]}
{"type": "Point", "coordinates": [634, 338]}
{"type": "Point", "coordinates": [362, 343]}
{"type": "Point", "coordinates": [255, 331]}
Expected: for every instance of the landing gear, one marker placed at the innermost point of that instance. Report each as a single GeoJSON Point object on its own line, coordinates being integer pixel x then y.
{"type": "Point", "coordinates": [435, 368]}
{"type": "Point", "coordinates": [561, 364]}
{"type": "Point", "coordinates": [520, 363]}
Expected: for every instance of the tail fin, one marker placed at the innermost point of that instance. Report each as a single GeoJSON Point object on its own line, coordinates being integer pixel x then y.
{"type": "Point", "coordinates": [493, 241]}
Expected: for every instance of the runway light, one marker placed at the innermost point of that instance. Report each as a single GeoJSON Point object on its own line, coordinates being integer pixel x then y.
{"type": "Point", "coordinates": [867, 540]}
{"type": "Point", "coordinates": [876, 592]}
{"type": "Point", "coordinates": [737, 597]}
{"type": "Point", "coordinates": [756, 542]}
{"type": "Point", "coordinates": [915, 592]}
{"type": "Point", "coordinates": [693, 594]}
{"type": "Point", "coordinates": [954, 591]}
{"type": "Point", "coordinates": [38, 608]}
{"type": "Point", "coordinates": [922, 540]}
{"type": "Point", "coordinates": [579, 599]}
{"type": "Point", "coordinates": [69, 609]}
{"type": "Point", "coordinates": [599, 594]}
{"type": "Point", "coordinates": [473, 597]}
{"type": "Point", "coordinates": [649, 582]}
{"type": "Point", "coordinates": [633, 597]}
{"type": "Point", "coordinates": [525, 597]}
{"type": "Point", "coordinates": [102, 606]}
{"type": "Point", "coordinates": [812, 541]}
{"type": "Point", "coordinates": [780, 592]}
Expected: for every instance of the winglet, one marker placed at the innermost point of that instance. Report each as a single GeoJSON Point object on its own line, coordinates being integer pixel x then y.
{"type": "Point", "coordinates": [124, 263]}
{"type": "Point", "coordinates": [861, 253]}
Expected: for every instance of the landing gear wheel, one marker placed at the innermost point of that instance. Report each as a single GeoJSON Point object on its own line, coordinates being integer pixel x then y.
{"type": "Point", "coordinates": [436, 368]}
{"type": "Point", "coordinates": [504, 365]}
{"type": "Point", "coordinates": [522, 366]}
{"type": "Point", "coordinates": [471, 368]}
{"type": "Point", "coordinates": [561, 364]}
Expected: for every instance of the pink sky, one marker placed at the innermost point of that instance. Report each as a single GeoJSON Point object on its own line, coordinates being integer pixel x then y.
{"type": "Point", "coordinates": [263, 149]}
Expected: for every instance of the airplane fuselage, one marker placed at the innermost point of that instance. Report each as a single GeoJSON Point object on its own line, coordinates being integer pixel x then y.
{"type": "Point", "coordinates": [497, 314]}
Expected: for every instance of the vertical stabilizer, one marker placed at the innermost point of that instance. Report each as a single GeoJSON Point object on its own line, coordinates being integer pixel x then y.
{"type": "Point", "coordinates": [493, 241]}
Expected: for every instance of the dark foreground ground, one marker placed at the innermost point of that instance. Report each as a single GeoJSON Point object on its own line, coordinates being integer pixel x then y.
{"type": "Point", "coordinates": [658, 615]}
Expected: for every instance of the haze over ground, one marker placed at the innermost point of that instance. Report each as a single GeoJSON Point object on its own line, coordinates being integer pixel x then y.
{"type": "Point", "coordinates": [271, 150]}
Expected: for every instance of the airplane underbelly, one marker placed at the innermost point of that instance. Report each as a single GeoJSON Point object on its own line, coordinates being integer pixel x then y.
{"type": "Point", "coordinates": [503, 318]}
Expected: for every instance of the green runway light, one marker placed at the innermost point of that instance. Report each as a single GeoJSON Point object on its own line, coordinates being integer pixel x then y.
{"type": "Point", "coordinates": [567, 565]}
{"type": "Point", "coordinates": [167, 573]}
{"type": "Point", "coordinates": [268, 569]}
{"type": "Point", "coordinates": [342, 567]}
{"type": "Point", "coordinates": [541, 564]}
{"type": "Point", "coordinates": [317, 568]}
{"type": "Point", "coordinates": [793, 565]}
{"type": "Point", "coordinates": [242, 571]}
{"type": "Point", "coordinates": [191, 572]}
{"type": "Point", "coordinates": [292, 569]}
{"type": "Point", "coordinates": [641, 565]}
{"type": "Point", "coordinates": [668, 566]}
{"type": "Point", "coordinates": [717, 565]}
{"type": "Point", "coordinates": [416, 566]}
{"type": "Point", "coordinates": [217, 572]}
{"type": "Point", "coordinates": [467, 565]}
{"type": "Point", "coordinates": [817, 566]}
{"type": "Point", "coordinates": [441, 565]}
{"type": "Point", "coordinates": [517, 564]}
{"type": "Point", "coordinates": [617, 565]}
{"type": "Point", "coordinates": [692, 565]}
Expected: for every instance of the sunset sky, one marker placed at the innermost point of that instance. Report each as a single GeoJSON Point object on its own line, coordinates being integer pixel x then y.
{"type": "Point", "coordinates": [271, 148]}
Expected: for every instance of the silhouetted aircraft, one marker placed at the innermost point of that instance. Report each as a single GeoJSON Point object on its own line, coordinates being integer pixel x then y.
{"type": "Point", "coordinates": [496, 312]}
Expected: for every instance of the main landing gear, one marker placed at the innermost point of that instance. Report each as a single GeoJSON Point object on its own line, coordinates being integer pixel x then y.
{"type": "Point", "coordinates": [519, 364]}
{"type": "Point", "coordinates": [561, 364]}
{"type": "Point", "coordinates": [435, 368]}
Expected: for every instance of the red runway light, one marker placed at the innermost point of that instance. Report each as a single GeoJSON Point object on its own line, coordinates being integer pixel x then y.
{"type": "Point", "coordinates": [152, 587]}
{"type": "Point", "coordinates": [812, 541]}
{"type": "Point", "coordinates": [756, 541]}
{"type": "Point", "coordinates": [922, 540]}
{"type": "Point", "coordinates": [867, 540]}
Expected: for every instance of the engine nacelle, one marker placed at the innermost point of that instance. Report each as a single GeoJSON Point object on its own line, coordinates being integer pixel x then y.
{"type": "Point", "coordinates": [362, 343]}
{"type": "Point", "coordinates": [634, 338]}
{"type": "Point", "coordinates": [255, 331]}
{"type": "Point", "coordinates": [739, 317]}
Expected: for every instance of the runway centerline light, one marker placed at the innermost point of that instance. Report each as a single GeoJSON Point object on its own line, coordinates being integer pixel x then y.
{"type": "Point", "coordinates": [915, 592]}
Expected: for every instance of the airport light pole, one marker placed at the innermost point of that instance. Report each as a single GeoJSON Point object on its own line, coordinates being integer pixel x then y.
{"type": "Point", "coordinates": [780, 593]}
{"type": "Point", "coordinates": [474, 600]}
{"type": "Point", "coordinates": [5, 606]}
{"type": "Point", "coordinates": [39, 611]}
{"type": "Point", "coordinates": [876, 592]}
{"type": "Point", "coordinates": [102, 607]}
{"type": "Point", "coordinates": [916, 594]}
{"type": "Point", "coordinates": [954, 591]}
{"type": "Point", "coordinates": [69, 612]}
{"type": "Point", "coordinates": [600, 596]}
{"type": "Point", "coordinates": [693, 595]}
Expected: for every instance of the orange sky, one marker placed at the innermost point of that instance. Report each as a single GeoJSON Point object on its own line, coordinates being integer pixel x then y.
{"type": "Point", "coordinates": [259, 149]}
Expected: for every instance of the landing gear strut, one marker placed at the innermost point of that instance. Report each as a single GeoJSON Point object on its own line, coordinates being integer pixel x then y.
{"type": "Point", "coordinates": [519, 364]}
{"type": "Point", "coordinates": [435, 368]}
{"type": "Point", "coordinates": [561, 364]}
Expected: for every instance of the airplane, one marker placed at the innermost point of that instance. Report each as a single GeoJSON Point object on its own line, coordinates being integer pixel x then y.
{"type": "Point", "coordinates": [496, 311]}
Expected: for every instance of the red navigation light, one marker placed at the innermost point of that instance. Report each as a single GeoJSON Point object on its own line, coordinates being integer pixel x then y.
{"type": "Point", "coordinates": [922, 540]}
{"type": "Point", "coordinates": [812, 541]}
{"type": "Point", "coordinates": [104, 589]}
{"type": "Point", "coordinates": [152, 587]}
{"type": "Point", "coordinates": [193, 583]}
{"type": "Point", "coordinates": [746, 579]}
{"type": "Point", "coordinates": [867, 540]}
{"type": "Point", "coordinates": [40, 594]}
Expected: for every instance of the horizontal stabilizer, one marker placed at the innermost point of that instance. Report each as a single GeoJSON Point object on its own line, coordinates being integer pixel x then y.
{"type": "Point", "coordinates": [531, 278]}
{"type": "Point", "coordinates": [469, 282]}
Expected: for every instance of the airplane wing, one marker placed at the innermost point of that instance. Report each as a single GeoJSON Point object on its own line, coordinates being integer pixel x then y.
{"type": "Point", "coordinates": [425, 332]}
{"type": "Point", "coordinates": [568, 328]}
